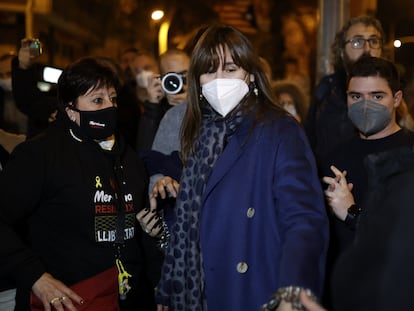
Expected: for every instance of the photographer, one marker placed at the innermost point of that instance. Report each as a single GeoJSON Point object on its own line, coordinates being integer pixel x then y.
{"type": "Point", "coordinates": [159, 162]}
{"type": "Point", "coordinates": [163, 92]}
{"type": "Point", "coordinates": [167, 138]}
{"type": "Point", "coordinates": [40, 107]}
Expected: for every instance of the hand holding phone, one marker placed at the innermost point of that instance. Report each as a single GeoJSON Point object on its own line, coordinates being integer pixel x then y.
{"type": "Point", "coordinates": [34, 46]}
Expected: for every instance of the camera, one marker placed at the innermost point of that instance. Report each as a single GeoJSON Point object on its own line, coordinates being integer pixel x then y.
{"type": "Point", "coordinates": [172, 82]}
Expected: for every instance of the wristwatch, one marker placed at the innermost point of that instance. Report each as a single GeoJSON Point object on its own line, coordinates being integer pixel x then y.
{"type": "Point", "coordinates": [353, 214]}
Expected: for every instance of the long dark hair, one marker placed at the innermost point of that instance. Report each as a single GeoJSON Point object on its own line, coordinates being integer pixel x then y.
{"type": "Point", "coordinates": [206, 56]}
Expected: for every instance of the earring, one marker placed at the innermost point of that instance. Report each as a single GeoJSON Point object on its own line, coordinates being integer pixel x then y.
{"type": "Point", "coordinates": [201, 96]}
{"type": "Point", "coordinates": [254, 87]}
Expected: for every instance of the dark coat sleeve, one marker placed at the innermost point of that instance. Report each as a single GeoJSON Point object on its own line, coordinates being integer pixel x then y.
{"type": "Point", "coordinates": [20, 184]}
{"type": "Point", "coordinates": [159, 163]}
{"type": "Point", "coordinates": [149, 122]}
{"type": "Point", "coordinates": [376, 272]}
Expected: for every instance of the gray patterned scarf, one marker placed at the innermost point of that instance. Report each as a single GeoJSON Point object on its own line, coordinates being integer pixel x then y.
{"type": "Point", "coordinates": [182, 281]}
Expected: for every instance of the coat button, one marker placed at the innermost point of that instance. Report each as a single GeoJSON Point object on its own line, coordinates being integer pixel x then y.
{"type": "Point", "coordinates": [242, 267]}
{"type": "Point", "coordinates": [250, 212]}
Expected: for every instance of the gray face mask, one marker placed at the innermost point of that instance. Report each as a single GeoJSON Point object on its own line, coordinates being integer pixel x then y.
{"type": "Point", "coordinates": [369, 117]}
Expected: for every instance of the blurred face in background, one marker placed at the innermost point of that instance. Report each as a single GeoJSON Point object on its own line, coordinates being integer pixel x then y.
{"type": "Point", "coordinates": [144, 67]}
{"type": "Point", "coordinates": [288, 103]}
{"type": "Point", "coordinates": [145, 62]}
{"type": "Point", "coordinates": [127, 60]}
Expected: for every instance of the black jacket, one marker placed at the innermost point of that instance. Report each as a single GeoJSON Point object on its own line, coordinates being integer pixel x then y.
{"type": "Point", "coordinates": [149, 122]}
{"type": "Point", "coordinates": [327, 124]}
{"type": "Point", "coordinates": [72, 194]}
{"type": "Point", "coordinates": [376, 273]}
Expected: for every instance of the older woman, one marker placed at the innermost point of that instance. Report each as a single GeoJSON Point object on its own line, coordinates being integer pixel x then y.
{"type": "Point", "coordinates": [78, 188]}
{"type": "Point", "coordinates": [250, 218]}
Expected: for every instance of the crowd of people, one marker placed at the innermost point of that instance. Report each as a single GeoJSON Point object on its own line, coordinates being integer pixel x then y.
{"type": "Point", "coordinates": [196, 182]}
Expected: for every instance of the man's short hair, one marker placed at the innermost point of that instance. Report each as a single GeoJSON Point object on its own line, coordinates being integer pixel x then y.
{"type": "Point", "coordinates": [369, 66]}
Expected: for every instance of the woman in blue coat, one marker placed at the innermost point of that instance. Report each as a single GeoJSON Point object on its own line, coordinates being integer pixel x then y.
{"type": "Point", "coordinates": [250, 222]}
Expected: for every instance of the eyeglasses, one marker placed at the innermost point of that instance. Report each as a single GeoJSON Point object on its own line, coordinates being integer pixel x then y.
{"type": "Point", "coordinates": [359, 43]}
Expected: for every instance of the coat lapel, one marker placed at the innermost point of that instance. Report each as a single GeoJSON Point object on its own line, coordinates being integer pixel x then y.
{"type": "Point", "coordinates": [231, 153]}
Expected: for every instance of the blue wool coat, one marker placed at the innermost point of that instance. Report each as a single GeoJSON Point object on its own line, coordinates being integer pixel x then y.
{"type": "Point", "coordinates": [263, 223]}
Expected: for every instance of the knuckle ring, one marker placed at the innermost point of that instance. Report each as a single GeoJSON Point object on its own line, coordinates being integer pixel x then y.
{"type": "Point", "coordinates": [61, 298]}
{"type": "Point", "coordinates": [54, 300]}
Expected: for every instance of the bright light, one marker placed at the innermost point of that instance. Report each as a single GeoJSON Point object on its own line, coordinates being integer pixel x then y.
{"type": "Point", "coordinates": [397, 43]}
{"type": "Point", "coordinates": [163, 37]}
{"type": "Point", "coordinates": [157, 15]}
{"type": "Point", "coordinates": [51, 74]}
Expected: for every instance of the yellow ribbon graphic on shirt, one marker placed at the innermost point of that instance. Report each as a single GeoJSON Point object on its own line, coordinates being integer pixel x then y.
{"type": "Point", "coordinates": [98, 182]}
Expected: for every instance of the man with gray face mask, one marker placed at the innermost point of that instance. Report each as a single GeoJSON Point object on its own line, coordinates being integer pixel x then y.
{"type": "Point", "coordinates": [373, 95]}
{"type": "Point", "coordinates": [327, 124]}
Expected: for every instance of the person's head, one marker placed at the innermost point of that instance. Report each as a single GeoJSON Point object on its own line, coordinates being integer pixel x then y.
{"type": "Point", "coordinates": [145, 64]}
{"type": "Point", "coordinates": [291, 98]}
{"type": "Point", "coordinates": [224, 69]}
{"type": "Point", "coordinates": [175, 61]}
{"type": "Point", "coordinates": [127, 58]}
{"type": "Point", "coordinates": [362, 35]}
{"type": "Point", "coordinates": [373, 95]}
{"type": "Point", "coordinates": [6, 71]}
{"type": "Point", "coordinates": [87, 91]}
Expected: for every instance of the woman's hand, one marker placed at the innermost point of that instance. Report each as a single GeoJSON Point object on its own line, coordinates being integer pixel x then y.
{"type": "Point", "coordinates": [309, 304]}
{"type": "Point", "coordinates": [148, 218]}
{"type": "Point", "coordinates": [285, 306]}
{"type": "Point", "coordinates": [55, 295]}
{"type": "Point", "coordinates": [165, 186]}
{"type": "Point", "coordinates": [162, 308]}
{"type": "Point", "coordinates": [150, 221]}
{"type": "Point", "coordinates": [25, 59]}
{"type": "Point", "coordinates": [176, 99]}
{"type": "Point", "coordinates": [338, 193]}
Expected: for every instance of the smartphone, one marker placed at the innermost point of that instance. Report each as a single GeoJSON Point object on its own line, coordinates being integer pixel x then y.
{"type": "Point", "coordinates": [35, 46]}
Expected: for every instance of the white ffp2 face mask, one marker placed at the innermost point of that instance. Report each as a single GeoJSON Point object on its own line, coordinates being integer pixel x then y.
{"type": "Point", "coordinates": [224, 94]}
{"type": "Point", "coordinates": [143, 77]}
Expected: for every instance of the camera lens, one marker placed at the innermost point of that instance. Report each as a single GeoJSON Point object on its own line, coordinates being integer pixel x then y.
{"type": "Point", "coordinates": [172, 83]}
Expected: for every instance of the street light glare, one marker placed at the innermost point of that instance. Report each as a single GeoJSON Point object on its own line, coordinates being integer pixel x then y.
{"type": "Point", "coordinates": [157, 15]}
{"type": "Point", "coordinates": [397, 43]}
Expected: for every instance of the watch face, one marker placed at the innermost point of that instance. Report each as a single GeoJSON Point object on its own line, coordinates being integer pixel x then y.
{"type": "Point", "coordinates": [354, 210]}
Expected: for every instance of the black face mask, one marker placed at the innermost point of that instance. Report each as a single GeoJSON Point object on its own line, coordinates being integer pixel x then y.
{"type": "Point", "coordinates": [98, 124]}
